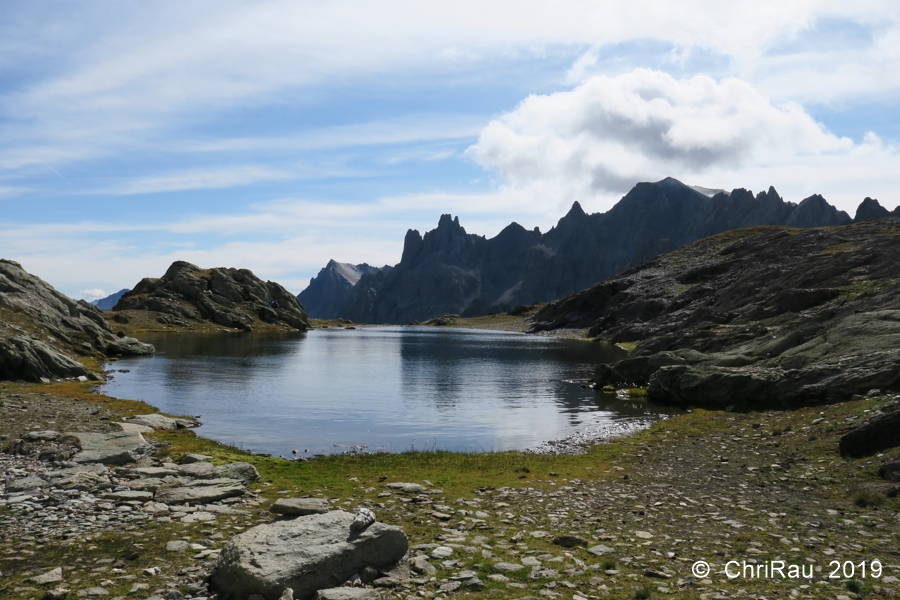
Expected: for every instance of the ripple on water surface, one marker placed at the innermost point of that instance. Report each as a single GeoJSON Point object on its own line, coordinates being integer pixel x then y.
{"type": "Point", "coordinates": [384, 388]}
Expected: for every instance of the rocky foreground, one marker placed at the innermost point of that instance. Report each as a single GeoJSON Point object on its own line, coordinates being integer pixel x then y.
{"type": "Point", "coordinates": [754, 318]}
{"type": "Point", "coordinates": [137, 514]}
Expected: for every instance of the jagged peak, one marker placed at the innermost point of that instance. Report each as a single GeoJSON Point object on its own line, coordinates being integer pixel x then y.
{"type": "Point", "coordinates": [814, 199]}
{"type": "Point", "coordinates": [870, 209]}
{"type": "Point", "coordinates": [576, 210]}
{"type": "Point", "coordinates": [448, 221]}
{"type": "Point", "coordinates": [670, 182]}
{"type": "Point", "coordinates": [411, 244]}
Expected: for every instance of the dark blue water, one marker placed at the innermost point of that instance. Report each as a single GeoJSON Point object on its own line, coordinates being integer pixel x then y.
{"type": "Point", "coordinates": [385, 388]}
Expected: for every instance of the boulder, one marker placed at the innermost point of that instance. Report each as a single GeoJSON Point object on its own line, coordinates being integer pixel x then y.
{"type": "Point", "coordinates": [29, 358]}
{"type": "Point", "coordinates": [569, 541]}
{"type": "Point", "coordinates": [129, 346]}
{"type": "Point", "coordinates": [128, 496]}
{"type": "Point", "coordinates": [299, 506]}
{"type": "Point", "coordinates": [83, 481]}
{"type": "Point", "coordinates": [409, 488]}
{"type": "Point", "coordinates": [109, 448]}
{"type": "Point", "coordinates": [177, 546]}
{"type": "Point", "coordinates": [134, 428]}
{"type": "Point", "coordinates": [158, 421]}
{"type": "Point", "coordinates": [348, 593]}
{"type": "Point", "coordinates": [890, 471]}
{"type": "Point", "coordinates": [506, 567]}
{"type": "Point", "coordinates": [201, 491]}
{"type": "Point", "coordinates": [239, 470]}
{"type": "Point", "coordinates": [92, 482]}
{"type": "Point", "coordinates": [52, 576]}
{"type": "Point", "coordinates": [202, 470]}
{"type": "Point", "coordinates": [193, 458]}
{"type": "Point", "coordinates": [305, 554]}
{"type": "Point", "coordinates": [601, 550]}
{"type": "Point", "coordinates": [877, 434]}
{"type": "Point", "coordinates": [27, 483]}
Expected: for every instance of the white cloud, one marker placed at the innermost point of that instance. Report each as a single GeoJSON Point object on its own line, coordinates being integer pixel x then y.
{"type": "Point", "coordinates": [94, 294]}
{"type": "Point", "coordinates": [600, 138]}
{"type": "Point", "coordinates": [124, 75]}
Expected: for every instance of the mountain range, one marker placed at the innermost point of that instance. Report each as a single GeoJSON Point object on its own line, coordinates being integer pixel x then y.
{"type": "Point", "coordinates": [108, 302]}
{"type": "Point", "coordinates": [451, 271]}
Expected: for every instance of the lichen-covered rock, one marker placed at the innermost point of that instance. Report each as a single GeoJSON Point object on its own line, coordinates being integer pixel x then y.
{"type": "Point", "coordinates": [299, 506]}
{"type": "Point", "coordinates": [109, 448]}
{"type": "Point", "coordinates": [241, 471]}
{"type": "Point", "coordinates": [200, 491]}
{"type": "Point", "coordinates": [305, 554]}
{"type": "Point", "coordinates": [233, 298]}
{"type": "Point", "coordinates": [756, 318]}
{"type": "Point", "coordinates": [46, 330]}
{"type": "Point", "coordinates": [158, 421]}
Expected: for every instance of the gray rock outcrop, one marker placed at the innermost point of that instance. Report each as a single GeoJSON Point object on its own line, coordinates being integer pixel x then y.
{"type": "Point", "coordinates": [299, 506]}
{"type": "Point", "coordinates": [109, 448]}
{"type": "Point", "coordinates": [199, 491]}
{"type": "Point", "coordinates": [233, 298]}
{"type": "Point", "coordinates": [305, 554]}
{"type": "Point", "coordinates": [348, 593]}
{"type": "Point", "coordinates": [450, 271]}
{"type": "Point", "coordinates": [877, 434]}
{"type": "Point", "coordinates": [42, 330]}
{"type": "Point", "coordinates": [765, 317]}
{"type": "Point", "coordinates": [158, 421]}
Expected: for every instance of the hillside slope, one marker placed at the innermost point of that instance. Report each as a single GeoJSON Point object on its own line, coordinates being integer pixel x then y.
{"type": "Point", "coordinates": [43, 331]}
{"type": "Point", "coordinates": [753, 318]}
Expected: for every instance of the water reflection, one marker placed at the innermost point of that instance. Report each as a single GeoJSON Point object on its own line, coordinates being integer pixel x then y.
{"type": "Point", "coordinates": [384, 387]}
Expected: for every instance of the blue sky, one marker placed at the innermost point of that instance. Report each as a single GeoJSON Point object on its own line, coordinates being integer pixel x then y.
{"type": "Point", "coordinates": [277, 135]}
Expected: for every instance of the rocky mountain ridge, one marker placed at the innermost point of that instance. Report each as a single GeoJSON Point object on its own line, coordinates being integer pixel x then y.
{"type": "Point", "coordinates": [234, 298]}
{"type": "Point", "coordinates": [753, 318]}
{"type": "Point", "coordinates": [451, 271]}
{"type": "Point", "coordinates": [42, 330]}
{"type": "Point", "coordinates": [331, 287]}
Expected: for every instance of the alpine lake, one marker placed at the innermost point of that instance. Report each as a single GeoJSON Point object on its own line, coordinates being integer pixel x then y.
{"type": "Point", "coordinates": [390, 389]}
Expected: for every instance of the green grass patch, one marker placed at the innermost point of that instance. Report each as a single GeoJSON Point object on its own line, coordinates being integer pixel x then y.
{"type": "Point", "coordinates": [836, 248]}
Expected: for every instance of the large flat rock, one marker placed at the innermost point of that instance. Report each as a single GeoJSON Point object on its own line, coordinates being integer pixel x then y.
{"type": "Point", "coordinates": [158, 421]}
{"type": "Point", "coordinates": [299, 506]}
{"type": "Point", "coordinates": [201, 491]}
{"type": "Point", "coordinates": [306, 554]}
{"type": "Point", "coordinates": [110, 448]}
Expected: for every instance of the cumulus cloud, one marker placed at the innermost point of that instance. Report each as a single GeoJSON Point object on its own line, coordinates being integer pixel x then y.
{"type": "Point", "coordinates": [608, 133]}
{"type": "Point", "coordinates": [94, 294]}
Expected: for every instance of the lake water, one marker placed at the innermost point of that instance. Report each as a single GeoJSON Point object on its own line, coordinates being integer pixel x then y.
{"type": "Point", "coordinates": [382, 388]}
